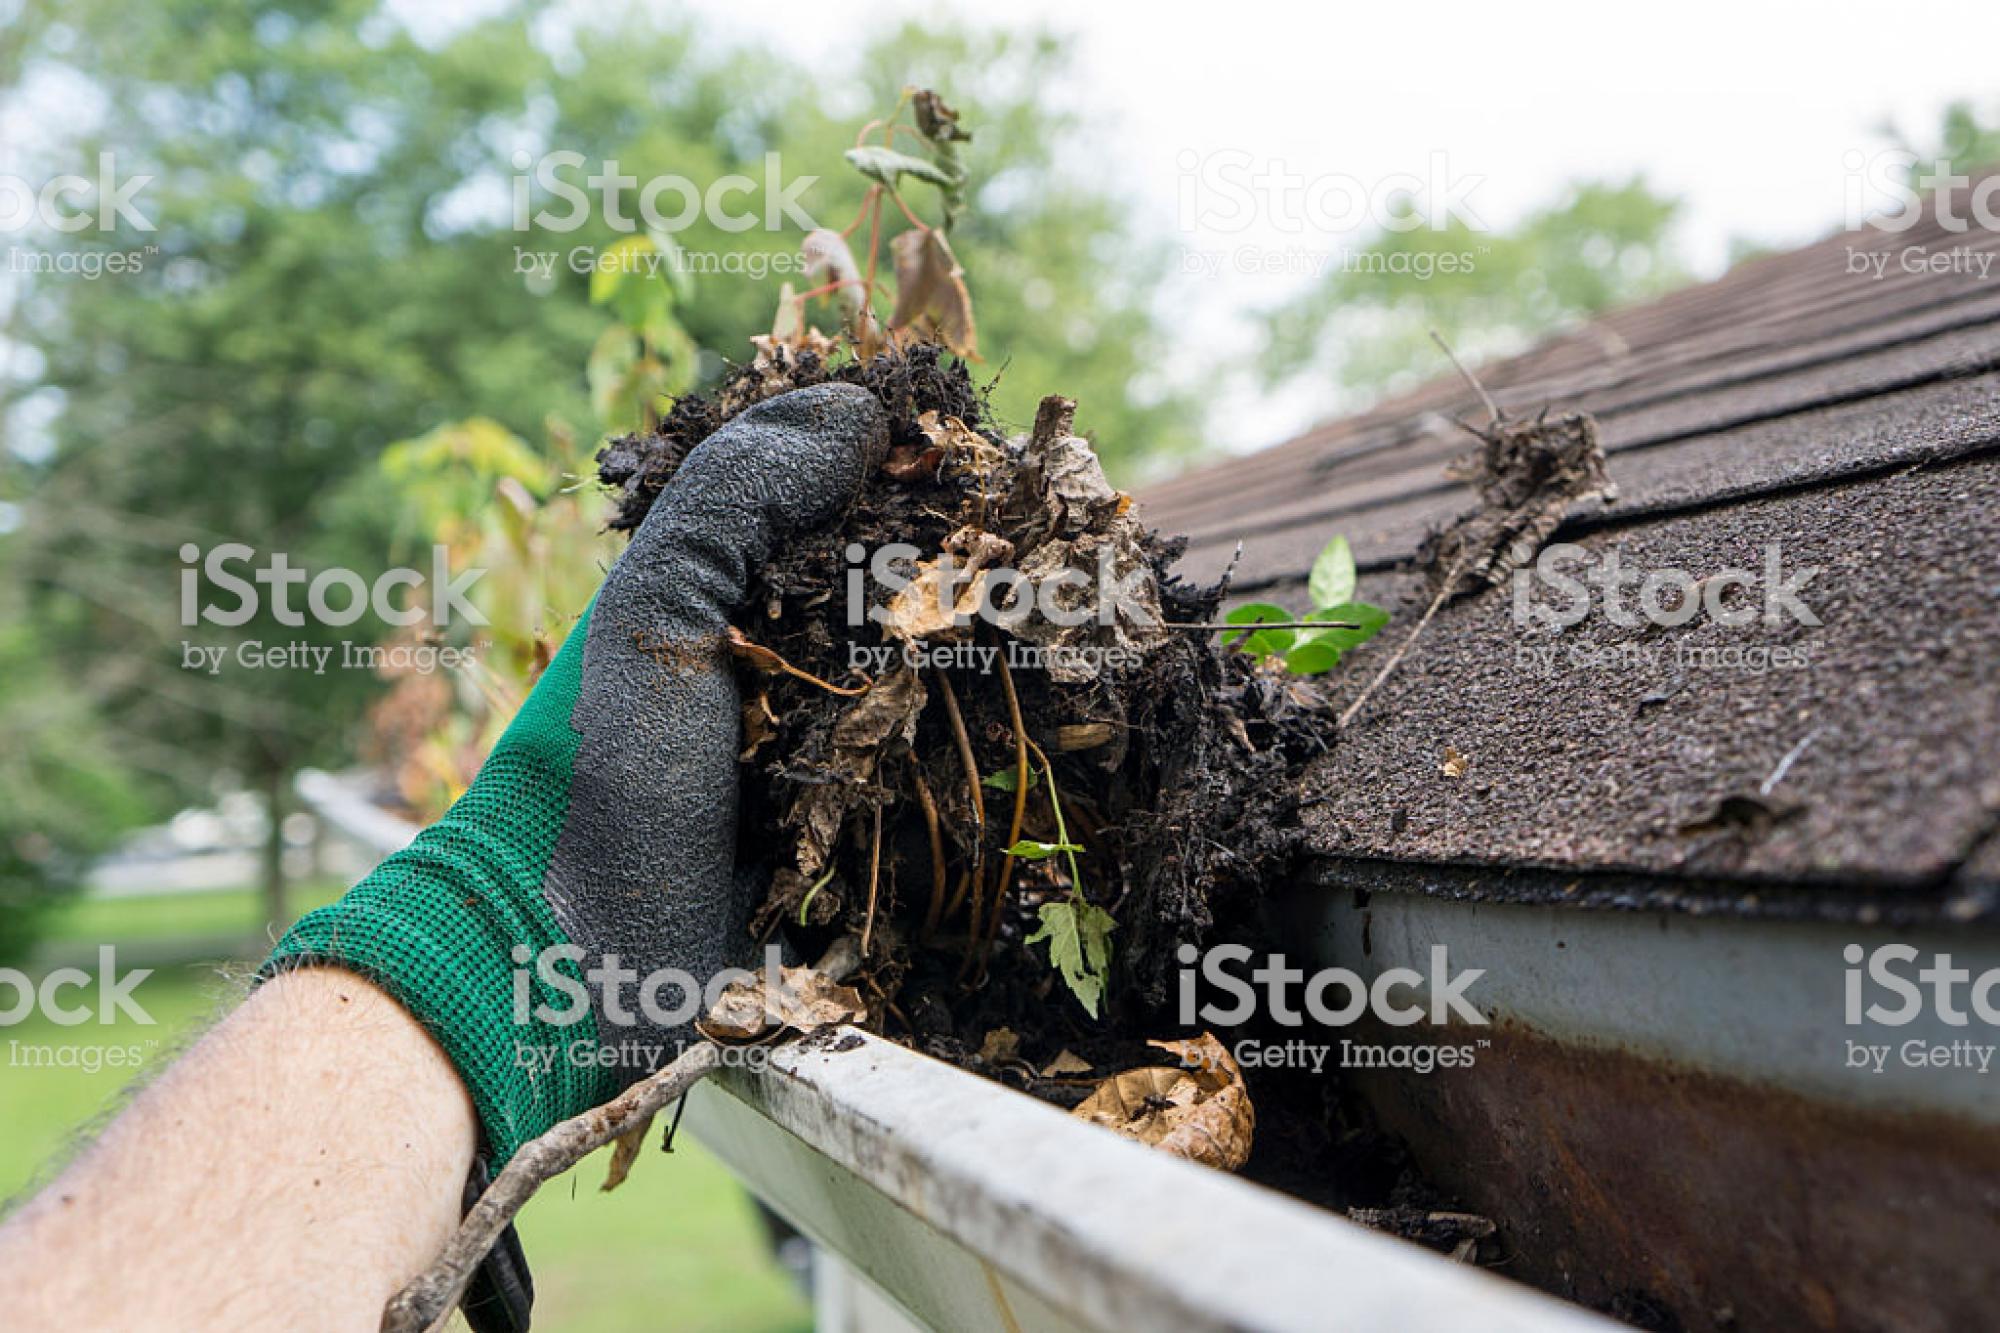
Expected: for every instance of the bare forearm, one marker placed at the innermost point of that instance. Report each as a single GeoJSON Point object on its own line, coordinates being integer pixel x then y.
{"type": "Point", "coordinates": [292, 1170]}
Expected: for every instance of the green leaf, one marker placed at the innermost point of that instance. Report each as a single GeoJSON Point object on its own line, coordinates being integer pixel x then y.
{"type": "Point", "coordinates": [1332, 579]}
{"type": "Point", "coordinates": [610, 373]}
{"type": "Point", "coordinates": [1264, 642]}
{"type": "Point", "coordinates": [1027, 849]}
{"type": "Point", "coordinates": [1312, 658]}
{"type": "Point", "coordinates": [673, 267]}
{"type": "Point", "coordinates": [1368, 620]}
{"type": "Point", "coordinates": [886, 165]}
{"type": "Point", "coordinates": [1079, 938]}
{"type": "Point", "coordinates": [620, 260]}
{"type": "Point", "coordinates": [1006, 780]}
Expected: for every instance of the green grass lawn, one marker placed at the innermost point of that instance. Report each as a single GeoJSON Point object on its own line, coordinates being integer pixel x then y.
{"type": "Point", "coordinates": [220, 912]}
{"type": "Point", "coordinates": [676, 1248]}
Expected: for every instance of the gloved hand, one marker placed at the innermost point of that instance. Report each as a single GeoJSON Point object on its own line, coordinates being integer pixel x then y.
{"type": "Point", "coordinates": [605, 817]}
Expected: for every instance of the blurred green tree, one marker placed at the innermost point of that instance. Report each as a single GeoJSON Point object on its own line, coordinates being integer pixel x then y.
{"type": "Point", "coordinates": [1489, 293]}
{"type": "Point", "coordinates": [335, 266]}
{"type": "Point", "coordinates": [1965, 141]}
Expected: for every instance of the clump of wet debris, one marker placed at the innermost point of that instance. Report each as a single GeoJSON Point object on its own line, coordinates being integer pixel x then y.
{"type": "Point", "coordinates": [1023, 817]}
{"type": "Point", "coordinates": [1021, 820]}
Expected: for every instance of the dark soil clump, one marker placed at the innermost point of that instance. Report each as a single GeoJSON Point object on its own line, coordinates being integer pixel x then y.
{"type": "Point", "coordinates": [884, 805]}
{"type": "Point", "coordinates": [921, 380]}
{"type": "Point", "coordinates": [1172, 757]}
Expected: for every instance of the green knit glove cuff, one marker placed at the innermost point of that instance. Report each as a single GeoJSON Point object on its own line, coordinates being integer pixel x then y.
{"type": "Point", "coordinates": [453, 925]}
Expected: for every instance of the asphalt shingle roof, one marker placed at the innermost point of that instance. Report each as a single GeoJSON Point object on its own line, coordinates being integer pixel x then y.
{"type": "Point", "coordinates": [1853, 421]}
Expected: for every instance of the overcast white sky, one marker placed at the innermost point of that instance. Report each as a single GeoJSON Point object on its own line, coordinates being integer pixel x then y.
{"type": "Point", "coordinates": [1750, 111]}
{"type": "Point", "coordinates": [1745, 109]}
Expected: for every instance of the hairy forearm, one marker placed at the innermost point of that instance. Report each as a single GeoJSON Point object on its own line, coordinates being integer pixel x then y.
{"type": "Point", "coordinates": [300, 1163]}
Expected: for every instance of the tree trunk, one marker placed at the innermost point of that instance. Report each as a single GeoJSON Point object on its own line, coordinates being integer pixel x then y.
{"type": "Point", "coordinates": [276, 911]}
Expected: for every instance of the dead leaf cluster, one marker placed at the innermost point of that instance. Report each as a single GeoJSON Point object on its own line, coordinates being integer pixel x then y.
{"type": "Point", "coordinates": [1528, 473]}
{"type": "Point", "coordinates": [1198, 1109]}
{"type": "Point", "coordinates": [803, 1000]}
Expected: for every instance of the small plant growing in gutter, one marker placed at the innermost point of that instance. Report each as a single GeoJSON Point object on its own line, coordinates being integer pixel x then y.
{"type": "Point", "coordinates": [1077, 931]}
{"type": "Point", "coordinates": [1305, 647]}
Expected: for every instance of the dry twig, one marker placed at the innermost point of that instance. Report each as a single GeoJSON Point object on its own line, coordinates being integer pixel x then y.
{"type": "Point", "coordinates": [432, 1294]}
{"type": "Point", "coordinates": [1015, 721]}
{"type": "Point", "coordinates": [928, 804]}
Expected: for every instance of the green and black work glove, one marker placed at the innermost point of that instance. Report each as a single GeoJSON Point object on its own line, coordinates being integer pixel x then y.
{"type": "Point", "coordinates": [603, 825]}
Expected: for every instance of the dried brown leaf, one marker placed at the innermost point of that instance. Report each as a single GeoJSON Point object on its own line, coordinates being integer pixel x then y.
{"type": "Point", "coordinates": [760, 724]}
{"type": "Point", "coordinates": [930, 291]}
{"type": "Point", "coordinates": [1000, 1044]}
{"type": "Point", "coordinates": [1083, 735]}
{"type": "Point", "coordinates": [1200, 1110]}
{"type": "Point", "coordinates": [803, 1001]}
{"type": "Point", "coordinates": [906, 462]}
{"type": "Point", "coordinates": [756, 654]}
{"type": "Point", "coordinates": [1069, 1062]}
{"type": "Point", "coordinates": [828, 260]}
{"type": "Point", "coordinates": [625, 1152]}
{"type": "Point", "coordinates": [887, 713]}
{"type": "Point", "coordinates": [934, 603]}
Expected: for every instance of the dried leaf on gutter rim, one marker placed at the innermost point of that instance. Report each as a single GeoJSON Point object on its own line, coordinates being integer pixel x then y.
{"type": "Point", "coordinates": [1000, 1044]}
{"type": "Point", "coordinates": [804, 1001]}
{"type": "Point", "coordinates": [1199, 1110]}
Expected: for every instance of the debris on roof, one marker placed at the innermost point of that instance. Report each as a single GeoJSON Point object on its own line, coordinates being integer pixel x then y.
{"type": "Point", "coordinates": [1797, 422]}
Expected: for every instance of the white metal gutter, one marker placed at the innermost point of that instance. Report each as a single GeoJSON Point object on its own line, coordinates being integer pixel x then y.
{"type": "Point", "coordinates": [968, 1206]}
{"type": "Point", "coordinates": [1762, 1001]}
{"type": "Point", "coordinates": [973, 1207]}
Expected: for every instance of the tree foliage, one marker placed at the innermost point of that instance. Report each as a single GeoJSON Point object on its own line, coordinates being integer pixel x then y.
{"type": "Point", "coordinates": [337, 270]}
{"type": "Point", "coordinates": [1489, 293]}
